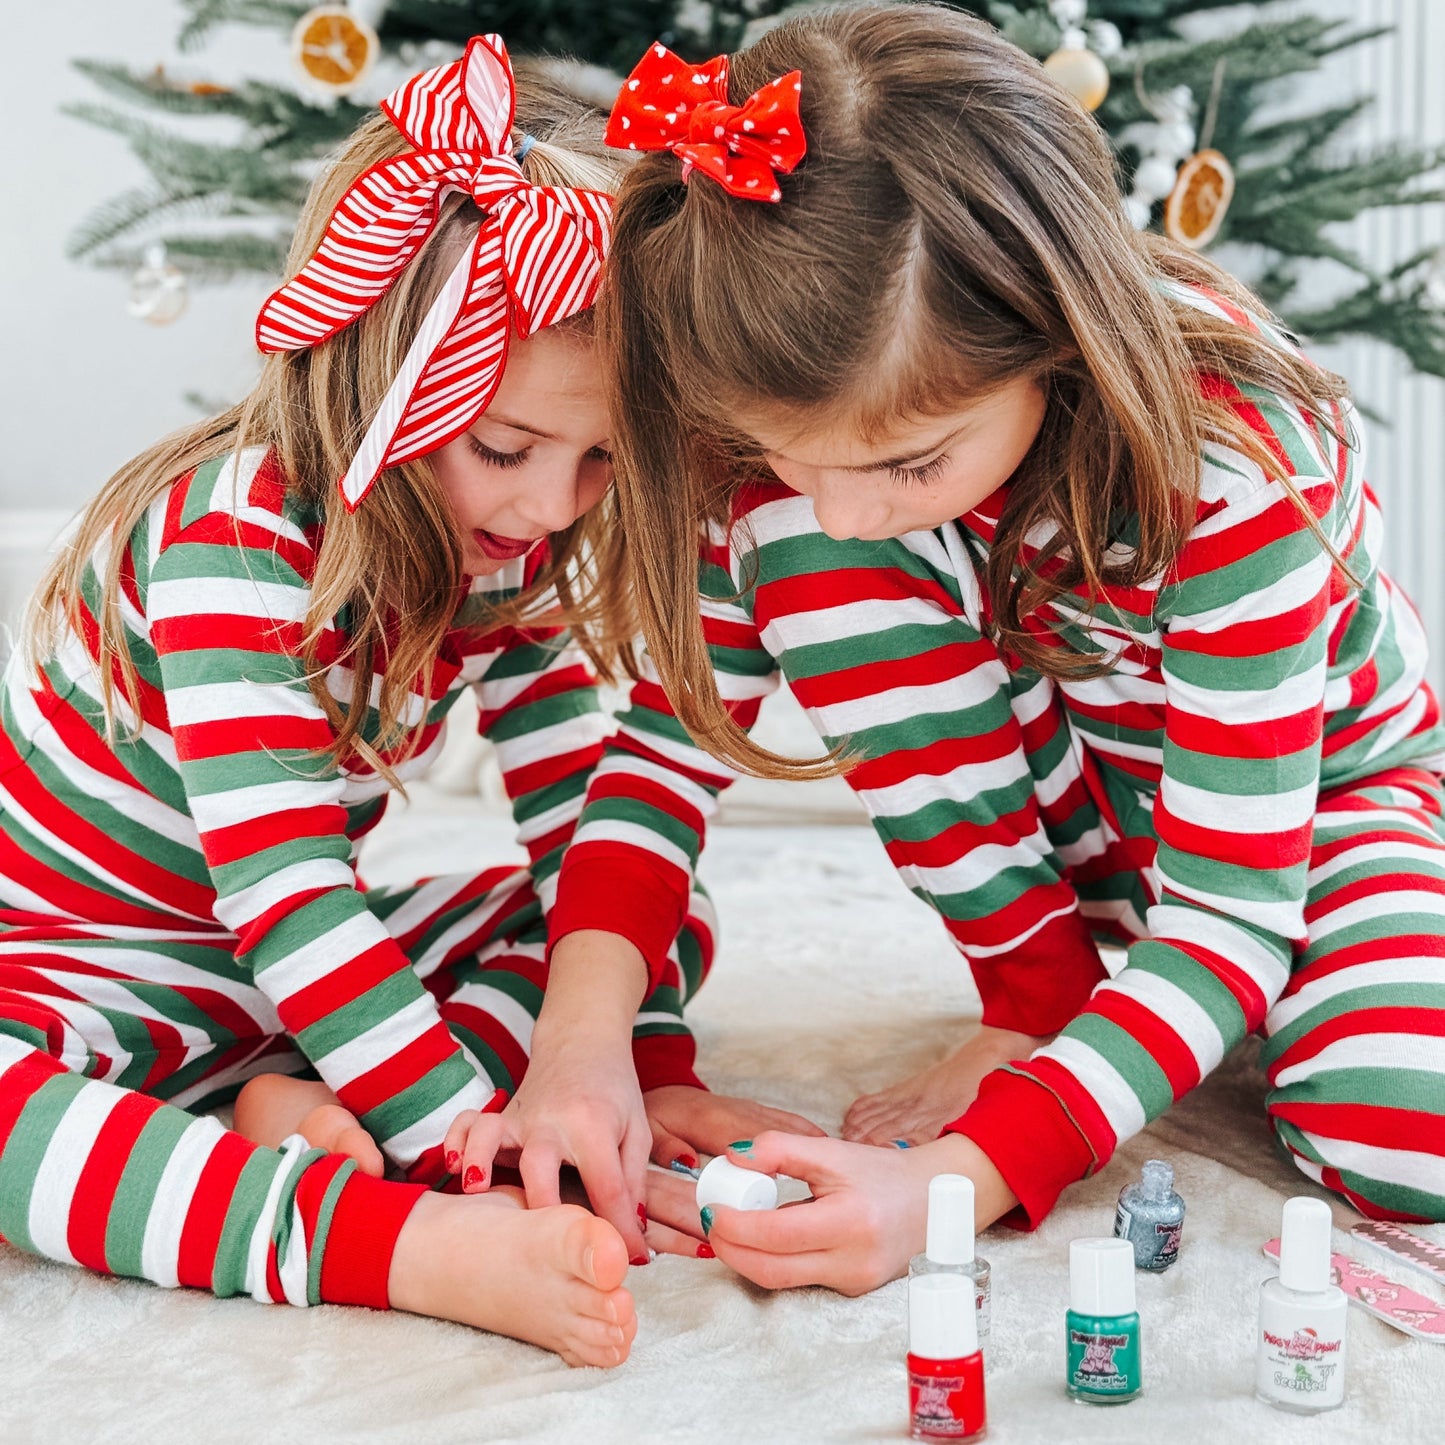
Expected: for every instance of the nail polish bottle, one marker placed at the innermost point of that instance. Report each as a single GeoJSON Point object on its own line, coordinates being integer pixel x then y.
{"type": "Point", "coordinates": [950, 1243]}
{"type": "Point", "coordinates": [1103, 1364]}
{"type": "Point", "coordinates": [1151, 1217]}
{"type": "Point", "coordinates": [945, 1364]}
{"type": "Point", "coordinates": [1300, 1353]}
{"type": "Point", "coordinates": [723, 1182]}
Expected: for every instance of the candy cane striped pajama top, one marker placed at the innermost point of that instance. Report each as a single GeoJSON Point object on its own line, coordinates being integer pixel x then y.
{"type": "Point", "coordinates": [1173, 800]}
{"type": "Point", "coordinates": [210, 818]}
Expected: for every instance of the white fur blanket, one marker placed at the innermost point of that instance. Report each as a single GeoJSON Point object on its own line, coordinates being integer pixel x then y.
{"type": "Point", "coordinates": [832, 981]}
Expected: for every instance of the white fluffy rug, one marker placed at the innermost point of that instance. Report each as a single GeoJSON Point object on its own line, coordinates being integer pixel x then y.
{"type": "Point", "coordinates": [833, 980]}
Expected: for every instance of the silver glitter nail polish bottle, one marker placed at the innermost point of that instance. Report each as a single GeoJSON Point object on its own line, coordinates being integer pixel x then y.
{"type": "Point", "coordinates": [1151, 1217]}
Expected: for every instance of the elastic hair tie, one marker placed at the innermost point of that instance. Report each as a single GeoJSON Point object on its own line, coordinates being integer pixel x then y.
{"type": "Point", "coordinates": [524, 148]}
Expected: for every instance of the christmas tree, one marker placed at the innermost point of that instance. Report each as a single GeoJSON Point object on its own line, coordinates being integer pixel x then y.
{"type": "Point", "coordinates": [1189, 99]}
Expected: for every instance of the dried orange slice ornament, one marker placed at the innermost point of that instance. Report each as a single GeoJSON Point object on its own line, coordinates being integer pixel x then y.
{"type": "Point", "coordinates": [333, 48]}
{"type": "Point", "coordinates": [1202, 192]}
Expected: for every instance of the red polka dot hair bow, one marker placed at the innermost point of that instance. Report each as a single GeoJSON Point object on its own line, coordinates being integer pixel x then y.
{"type": "Point", "coordinates": [670, 105]}
{"type": "Point", "coordinates": [536, 259]}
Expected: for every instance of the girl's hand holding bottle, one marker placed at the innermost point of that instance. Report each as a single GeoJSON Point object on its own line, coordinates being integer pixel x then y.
{"type": "Point", "coordinates": [867, 1218]}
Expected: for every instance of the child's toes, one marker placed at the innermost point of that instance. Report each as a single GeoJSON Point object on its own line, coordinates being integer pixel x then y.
{"type": "Point", "coordinates": [601, 1344]}
{"type": "Point", "coordinates": [594, 1252]}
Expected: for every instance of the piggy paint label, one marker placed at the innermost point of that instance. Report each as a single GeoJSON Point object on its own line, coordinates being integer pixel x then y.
{"type": "Point", "coordinates": [1103, 1359]}
{"type": "Point", "coordinates": [936, 1406]}
{"type": "Point", "coordinates": [1167, 1236]}
{"type": "Point", "coordinates": [1302, 1363]}
{"type": "Point", "coordinates": [946, 1398]}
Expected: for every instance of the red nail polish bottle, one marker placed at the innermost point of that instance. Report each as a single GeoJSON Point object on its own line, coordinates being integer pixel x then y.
{"type": "Point", "coordinates": [945, 1364]}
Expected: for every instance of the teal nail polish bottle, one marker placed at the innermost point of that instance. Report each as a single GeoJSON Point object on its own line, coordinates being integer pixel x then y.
{"type": "Point", "coordinates": [1103, 1363]}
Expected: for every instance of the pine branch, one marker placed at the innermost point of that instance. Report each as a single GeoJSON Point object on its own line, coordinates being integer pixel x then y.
{"type": "Point", "coordinates": [206, 15]}
{"type": "Point", "coordinates": [209, 258]}
{"type": "Point", "coordinates": [144, 206]}
{"type": "Point", "coordinates": [1395, 308]}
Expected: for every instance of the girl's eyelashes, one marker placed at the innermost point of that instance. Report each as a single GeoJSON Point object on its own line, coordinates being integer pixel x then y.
{"type": "Point", "coordinates": [498, 459]}
{"type": "Point", "coordinates": [515, 459]}
{"type": "Point", "coordinates": [918, 476]}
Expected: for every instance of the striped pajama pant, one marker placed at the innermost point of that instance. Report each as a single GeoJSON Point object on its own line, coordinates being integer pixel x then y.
{"type": "Point", "coordinates": [1354, 1049]}
{"type": "Point", "coordinates": [108, 1046]}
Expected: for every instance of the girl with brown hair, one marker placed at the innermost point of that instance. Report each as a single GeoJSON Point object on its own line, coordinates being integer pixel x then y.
{"type": "Point", "coordinates": [1068, 553]}
{"type": "Point", "coordinates": [227, 671]}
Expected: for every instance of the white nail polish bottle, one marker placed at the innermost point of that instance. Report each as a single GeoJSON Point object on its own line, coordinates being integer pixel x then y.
{"type": "Point", "coordinates": [1300, 1352]}
{"type": "Point", "coordinates": [950, 1246]}
{"type": "Point", "coordinates": [724, 1182]}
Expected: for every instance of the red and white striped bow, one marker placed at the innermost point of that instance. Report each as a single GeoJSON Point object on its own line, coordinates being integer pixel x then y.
{"type": "Point", "coordinates": [536, 259]}
{"type": "Point", "coordinates": [667, 104]}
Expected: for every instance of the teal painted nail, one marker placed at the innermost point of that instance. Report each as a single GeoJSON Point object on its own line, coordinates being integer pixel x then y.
{"type": "Point", "coordinates": [742, 1146]}
{"type": "Point", "coordinates": [706, 1217]}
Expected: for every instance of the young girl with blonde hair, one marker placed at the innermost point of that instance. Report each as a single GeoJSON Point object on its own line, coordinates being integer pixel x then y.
{"type": "Point", "coordinates": [1069, 554]}
{"type": "Point", "coordinates": [226, 672]}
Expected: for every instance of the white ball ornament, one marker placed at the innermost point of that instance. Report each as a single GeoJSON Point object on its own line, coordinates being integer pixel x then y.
{"type": "Point", "coordinates": [1139, 212]}
{"type": "Point", "coordinates": [1069, 12]}
{"type": "Point", "coordinates": [1154, 177]}
{"type": "Point", "coordinates": [157, 289]}
{"type": "Point", "coordinates": [1104, 38]}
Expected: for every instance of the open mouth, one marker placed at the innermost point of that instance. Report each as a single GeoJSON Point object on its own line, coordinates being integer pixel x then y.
{"type": "Point", "coordinates": [503, 549]}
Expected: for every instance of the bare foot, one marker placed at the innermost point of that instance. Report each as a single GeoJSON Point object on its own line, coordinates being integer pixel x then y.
{"type": "Point", "coordinates": [552, 1276]}
{"type": "Point", "coordinates": [272, 1107]}
{"type": "Point", "coordinates": [916, 1108]}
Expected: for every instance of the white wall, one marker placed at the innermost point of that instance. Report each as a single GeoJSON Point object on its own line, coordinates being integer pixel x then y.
{"type": "Point", "coordinates": [84, 385]}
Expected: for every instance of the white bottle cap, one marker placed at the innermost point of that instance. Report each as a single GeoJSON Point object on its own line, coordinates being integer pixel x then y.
{"type": "Point", "coordinates": [950, 1219]}
{"type": "Point", "coordinates": [942, 1320]}
{"type": "Point", "coordinates": [1304, 1244]}
{"type": "Point", "coordinates": [724, 1182]}
{"type": "Point", "coordinates": [1101, 1277]}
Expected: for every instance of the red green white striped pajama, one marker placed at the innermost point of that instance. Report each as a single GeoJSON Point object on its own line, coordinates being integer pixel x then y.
{"type": "Point", "coordinates": [1225, 796]}
{"type": "Point", "coordinates": [179, 910]}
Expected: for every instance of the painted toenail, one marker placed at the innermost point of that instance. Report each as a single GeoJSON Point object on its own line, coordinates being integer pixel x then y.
{"type": "Point", "coordinates": [640, 1259]}
{"type": "Point", "coordinates": [472, 1179]}
{"type": "Point", "coordinates": [706, 1217]}
{"type": "Point", "coordinates": [688, 1161]}
{"type": "Point", "coordinates": [706, 1251]}
{"type": "Point", "coordinates": [742, 1146]}
{"type": "Point", "coordinates": [642, 1215]}
{"type": "Point", "coordinates": [901, 1144]}
{"type": "Point", "coordinates": [453, 1160]}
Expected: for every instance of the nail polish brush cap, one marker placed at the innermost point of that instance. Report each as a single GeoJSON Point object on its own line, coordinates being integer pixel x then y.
{"type": "Point", "coordinates": [723, 1182]}
{"type": "Point", "coordinates": [1304, 1244]}
{"type": "Point", "coordinates": [950, 1219]}
{"type": "Point", "coordinates": [1101, 1277]}
{"type": "Point", "coordinates": [1158, 1180]}
{"type": "Point", "coordinates": [942, 1324]}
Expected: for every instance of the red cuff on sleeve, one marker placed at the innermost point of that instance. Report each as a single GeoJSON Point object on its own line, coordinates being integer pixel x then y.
{"type": "Point", "coordinates": [618, 895]}
{"type": "Point", "coordinates": [1042, 985]}
{"type": "Point", "coordinates": [663, 1059]}
{"type": "Point", "coordinates": [1026, 1131]}
{"type": "Point", "coordinates": [365, 1224]}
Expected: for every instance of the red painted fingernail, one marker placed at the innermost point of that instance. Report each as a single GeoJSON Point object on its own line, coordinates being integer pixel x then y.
{"type": "Point", "coordinates": [472, 1179]}
{"type": "Point", "coordinates": [642, 1215]}
{"type": "Point", "coordinates": [706, 1251]}
{"type": "Point", "coordinates": [689, 1159]}
{"type": "Point", "coordinates": [497, 1102]}
{"type": "Point", "coordinates": [641, 1259]}
{"type": "Point", "coordinates": [453, 1160]}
